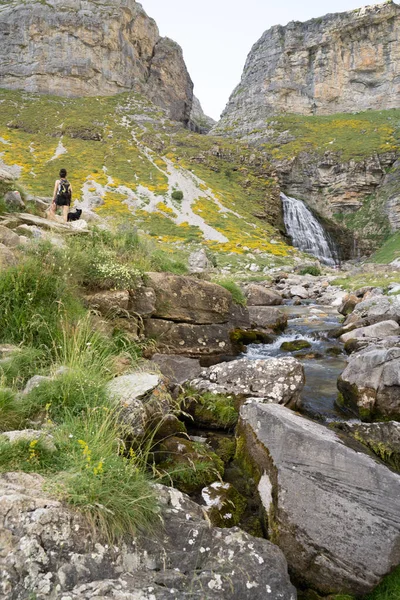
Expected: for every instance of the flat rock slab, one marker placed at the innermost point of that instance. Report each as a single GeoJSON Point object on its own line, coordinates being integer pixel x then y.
{"type": "Point", "coordinates": [48, 552]}
{"type": "Point", "coordinates": [190, 339]}
{"type": "Point", "coordinates": [335, 512]}
{"type": "Point", "coordinates": [277, 380]}
{"type": "Point", "coordinates": [43, 223]}
{"type": "Point", "coordinates": [189, 300]}
{"type": "Point", "coordinates": [378, 330]}
{"type": "Point", "coordinates": [128, 388]}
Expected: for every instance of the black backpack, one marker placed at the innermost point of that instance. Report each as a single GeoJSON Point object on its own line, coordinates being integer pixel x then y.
{"type": "Point", "coordinates": [64, 190]}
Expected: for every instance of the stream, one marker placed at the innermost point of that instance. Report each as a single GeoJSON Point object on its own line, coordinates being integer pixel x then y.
{"type": "Point", "coordinates": [323, 361]}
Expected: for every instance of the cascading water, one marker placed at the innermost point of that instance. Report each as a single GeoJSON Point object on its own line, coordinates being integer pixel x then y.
{"type": "Point", "coordinates": [306, 232]}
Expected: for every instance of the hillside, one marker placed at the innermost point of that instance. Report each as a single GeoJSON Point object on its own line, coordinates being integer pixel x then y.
{"type": "Point", "coordinates": [320, 98]}
{"type": "Point", "coordinates": [125, 161]}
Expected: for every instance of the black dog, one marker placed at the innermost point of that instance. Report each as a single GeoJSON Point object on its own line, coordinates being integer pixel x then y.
{"type": "Point", "coordinates": [74, 216]}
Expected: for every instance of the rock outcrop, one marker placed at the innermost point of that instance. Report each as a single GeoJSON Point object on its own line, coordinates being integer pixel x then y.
{"type": "Point", "coordinates": [370, 384]}
{"type": "Point", "coordinates": [278, 380]}
{"type": "Point", "coordinates": [338, 63]}
{"type": "Point", "coordinates": [47, 552]}
{"type": "Point", "coordinates": [199, 121]}
{"type": "Point", "coordinates": [334, 511]}
{"type": "Point", "coordinates": [87, 48]}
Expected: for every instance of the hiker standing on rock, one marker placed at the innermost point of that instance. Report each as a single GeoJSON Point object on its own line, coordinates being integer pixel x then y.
{"type": "Point", "coordinates": [62, 196]}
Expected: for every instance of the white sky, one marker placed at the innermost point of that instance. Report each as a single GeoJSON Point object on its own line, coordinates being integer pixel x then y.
{"type": "Point", "coordinates": [217, 35]}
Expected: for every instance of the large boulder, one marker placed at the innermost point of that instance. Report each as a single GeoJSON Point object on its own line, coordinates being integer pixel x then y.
{"type": "Point", "coordinates": [177, 369]}
{"type": "Point", "coordinates": [109, 302]}
{"type": "Point", "coordinates": [279, 380]}
{"type": "Point", "coordinates": [267, 317]}
{"type": "Point", "coordinates": [333, 510]}
{"type": "Point", "coordinates": [199, 262]}
{"type": "Point", "coordinates": [382, 438]}
{"type": "Point", "coordinates": [8, 237]}
{"type": "Point", "coordinates": [382, 329]}
{"type": "Point", "coordinates": [370, 384]}
{"type": "Point", "coordinates": [7, 258]}
{"type": "Point", "coordinates": [375, 309]}
{"type": "Point", "coordinates": [257, 295]}
{"type": "Point", "coordinates": [47, 552]}
{"type": "Point", "coordinates": [13, 201]}
{"type": "Point", "coordinates": [142, 301]}
{"type": "Point", "coordinates": [190, 339]}
{"type": "Point", "coordinates": [189, 300]}
{"type": "Point", "coordinates": [143, 400]}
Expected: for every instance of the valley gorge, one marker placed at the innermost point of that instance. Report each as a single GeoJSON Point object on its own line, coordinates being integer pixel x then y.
{"type": "Point", "coordinates": [199, 376]}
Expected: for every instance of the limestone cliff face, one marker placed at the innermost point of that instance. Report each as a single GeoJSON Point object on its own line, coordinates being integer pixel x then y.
{"type": "Point", "coordinates": [88, 48]}
{"type": "Point", "coordinates": [339, 63]}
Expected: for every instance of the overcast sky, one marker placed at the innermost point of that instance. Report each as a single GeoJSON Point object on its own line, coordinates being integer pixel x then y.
{"type": "Point", "coordinates": [217, 35]}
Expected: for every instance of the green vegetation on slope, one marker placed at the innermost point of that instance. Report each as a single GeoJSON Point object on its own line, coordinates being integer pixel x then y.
{"type": "Point", "coordinates": [389, 251]}
{"type": "Point", "coordinates": [353, 136]}
{"type": "Point", "coordinates": [121, 151]}
{"type": "Point", "coordinates": [90, 466]}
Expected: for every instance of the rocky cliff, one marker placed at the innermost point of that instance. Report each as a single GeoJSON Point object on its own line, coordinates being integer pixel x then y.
{"type": "Point", "coordinates": [91, 48]}
{"type": "Point", "coordinates": [338, 63]}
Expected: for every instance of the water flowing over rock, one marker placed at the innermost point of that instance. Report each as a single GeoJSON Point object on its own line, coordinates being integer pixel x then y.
{"type": "Point", "coordinates": [87, 48]}
{"type": "Point", "coordinates": [334, 511]}
{"type": "Point", "coordinates": [47, 552]}
{"type": "Point", "coordinates": [306, 232]}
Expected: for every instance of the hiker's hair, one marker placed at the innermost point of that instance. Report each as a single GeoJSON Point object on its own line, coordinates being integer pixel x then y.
{"type": "Point", "coordinates": [63, 173]}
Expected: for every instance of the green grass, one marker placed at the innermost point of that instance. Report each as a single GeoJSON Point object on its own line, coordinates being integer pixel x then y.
{"type": "Point", "coordinates": [378, 279]}
{"type": "Point", "coordinates": [232, 287]}
{"type": "Point", "coordinates": [389, 251]}
{"type": "Point", "coordinates": [354, 136]}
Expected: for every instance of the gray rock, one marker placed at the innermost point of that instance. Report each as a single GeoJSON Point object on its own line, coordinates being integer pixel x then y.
{"type": "Point", "coordinates": [46, 551]}
{"type": "Point", "coordinates": [199, 262]}
{"type": "Point", "coordinates": [378, 330]}
{"type": "Point", "coordinates": [370, 384]}
{"type": "Point", "coordinates": [34, 382]}
{"type": "Point", "coordinates": [13, 201]}
{"type": "Point", "coordinates": [122, 52]}
{"type": "Point", "coordinates": [257, 295]}
{"type": "Point", "coordinates": [189, 300]}
{"type": "Point", "coordinates": [190, 339]}
{"type": "Point", "coordinates": [142, 301]}
{"type": "Point", "coordinates": [199, 122]}
{"type": "Point", "coordinates": [333, 511]}
{"type": "Point", "coordinates": [143, 399]}
{"type": "Point", "coordinates": [299, 291]}
{"type": "Point", "coordinates": [267, 317]}
{"type": "Point", "coordinates": [277, 380]}
{"type": "Point", "coordinates": [7, 258]}
{"type": "Point", "coordinates": [382, 438]}
{"type": "Point", "coordinates": [109, 302]}
{"type": "Point", "coordinates": [29, 435]}
{"type": "Point", "coordinates": [178, 369]}
{"type": "Point", "coordinates": [8, 237]}
{"type": "Point", "coordinates": [374, 310]}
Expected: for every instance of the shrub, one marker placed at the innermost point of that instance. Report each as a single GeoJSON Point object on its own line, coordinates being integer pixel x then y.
{"type": "Point", "coordinates": [232, 287]}
{"type": "Point", "coordinates": [177, 195]}
{"type": "Point", "coordinates": [33, 297]}
{"type": "Point", "coordinates": [311, 270]}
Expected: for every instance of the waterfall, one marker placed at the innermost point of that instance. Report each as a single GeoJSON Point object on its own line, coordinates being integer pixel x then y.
{"type": "Point", "coordinates": [306, 232]}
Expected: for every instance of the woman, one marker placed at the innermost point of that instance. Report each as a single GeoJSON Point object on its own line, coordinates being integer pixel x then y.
{"type": "Point", "coordinates": [62, 196]}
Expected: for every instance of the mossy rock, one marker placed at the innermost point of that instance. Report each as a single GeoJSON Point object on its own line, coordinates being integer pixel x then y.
{"type": "Point", "coordinates": [295, 345]}
{"type": "Point", "coordinates": [224, 446]}
{"type": "Point", "coordinates": [214, 411]}
{"type": "Point", "coordinates": [187, 465]}
{"type": "Point", "coordinates": [244, 337]}
{"type": "Point", "coordinates": [225, 505]}
{"type": "Point", "coordinates": [334, 351]}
